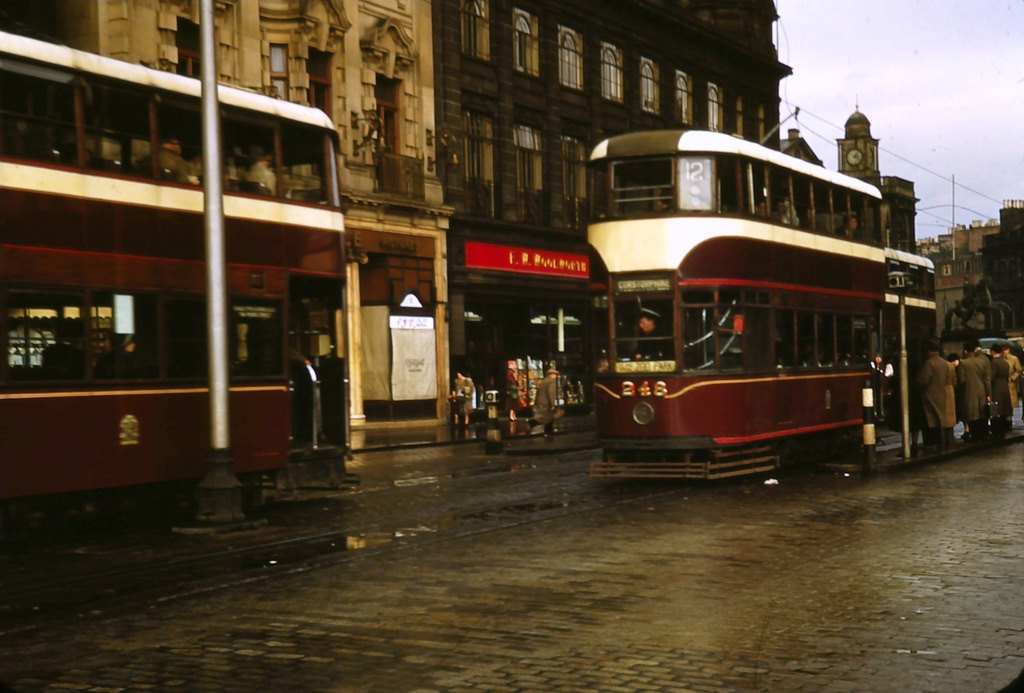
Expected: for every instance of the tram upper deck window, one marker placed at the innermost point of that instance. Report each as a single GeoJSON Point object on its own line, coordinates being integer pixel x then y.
{"type": "Point", "coordinates": [642, 187]}
{"type": "Point", "coordinates": [37, 106]}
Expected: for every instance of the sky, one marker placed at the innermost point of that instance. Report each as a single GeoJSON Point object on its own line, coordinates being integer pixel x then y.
{"type": "Point", "coordinates": [942, 82]}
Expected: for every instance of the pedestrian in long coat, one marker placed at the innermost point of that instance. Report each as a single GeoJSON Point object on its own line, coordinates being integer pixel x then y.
{"type": "Point", "coordinates": [1016, 371]}
{"type": "Point", "coordinates": [545, 402]}
{"type": "Point", "coordinates": [933, 377]}
{"type": "Point", "coordinates": [1001, 411]}
{"type": "Point", "coordinates": [977, 392]}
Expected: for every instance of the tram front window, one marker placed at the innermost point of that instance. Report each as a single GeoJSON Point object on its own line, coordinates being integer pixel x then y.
{"type": "Point", "coordinates": [643, 332]}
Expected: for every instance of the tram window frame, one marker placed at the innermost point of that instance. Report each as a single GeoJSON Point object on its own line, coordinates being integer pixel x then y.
{"type": "Point", "coordinates": [36, 123]}
{"type": "Point", "coordinates": [639, 188]}
{"type": "Point", "coordinates": [698, 329]}
{"type": "Point", "coordinates": [630, 345]}
{"type": "Point", "coordinates": [117, 128]}
{"type": "Point", "coordinates": [178, 118]}
{"type": "Point", "coordinates": [803, 201]}
{"type": "Point", "coordinates": [785, 337]}
{"type": "Point", "coordinates": [728, 185]}
{"type": "Point", "coordinates": [125, 342]}
{"type": "Point", "coordinates": [757, 190]}
{"type": "Point", "coordinates": [781, 209]}
{"type": "Point", "coordinates": [56, 342]}
{"type": "Point", "coordinates": [184, 329]}
{"type": "Point", "coordinates": [825, 338]}
{"type": "Point", "coordinates": [729, 329]}
{"type": "Point", "coordinates": [257, 352]}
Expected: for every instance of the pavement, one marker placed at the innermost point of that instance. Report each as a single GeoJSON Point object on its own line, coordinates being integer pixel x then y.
{"type": "Point", "coordinates": [387, 457]}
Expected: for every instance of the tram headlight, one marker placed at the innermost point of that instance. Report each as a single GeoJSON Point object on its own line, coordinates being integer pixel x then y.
{"type": "Point", "coordinates": [643, 413]}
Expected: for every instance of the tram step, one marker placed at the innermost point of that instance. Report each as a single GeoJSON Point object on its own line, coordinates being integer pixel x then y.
{"type": "Point", "coordinates": [721, 465]}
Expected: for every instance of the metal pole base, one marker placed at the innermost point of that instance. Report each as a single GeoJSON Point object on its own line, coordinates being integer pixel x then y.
{"type": "Point", "coordinates": [219, 494]}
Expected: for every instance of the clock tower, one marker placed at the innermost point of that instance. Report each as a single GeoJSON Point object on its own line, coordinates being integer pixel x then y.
{"type": "Point", "coordinates": [858, 151]}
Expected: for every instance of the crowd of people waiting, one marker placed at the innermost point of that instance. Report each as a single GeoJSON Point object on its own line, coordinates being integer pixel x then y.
{"type": "Point", "coordinates": [980, 390]}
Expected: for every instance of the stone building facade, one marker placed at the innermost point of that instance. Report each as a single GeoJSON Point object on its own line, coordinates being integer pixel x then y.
{"type": "Point", "coordinates": [525, 89]}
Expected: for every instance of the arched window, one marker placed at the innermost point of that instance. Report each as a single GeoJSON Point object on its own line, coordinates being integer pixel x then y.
{"type": "Point", "coordinates": [649, 93]}
{"type": "Point", "coordinates": [683, 106]}
{"type": "Point", "coordinates": [714, 107]}
{"type": "Point", "coordinates": [476, 32]}
{"type": "Point", "coordinates": [525, 44]}
{"type": "Point", "coordinates": [611, 72]}
{"type": "Point", "coordinates": [570, 58]}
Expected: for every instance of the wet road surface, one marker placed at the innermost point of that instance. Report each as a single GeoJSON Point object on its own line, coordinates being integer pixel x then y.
{"type": "Point", "coordinates": [549, 581]}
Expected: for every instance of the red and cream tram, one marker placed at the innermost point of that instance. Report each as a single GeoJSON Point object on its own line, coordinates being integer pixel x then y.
{"type": "Point", "coordinates": [102, 280]}
{"type": "Point", "coordinates": [739, 293]}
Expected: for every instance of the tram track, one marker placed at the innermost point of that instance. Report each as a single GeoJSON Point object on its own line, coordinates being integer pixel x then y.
{"type": "Point", "coordinates": [125, 577]}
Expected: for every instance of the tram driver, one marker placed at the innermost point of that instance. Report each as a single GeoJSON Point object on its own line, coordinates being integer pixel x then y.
{"type": "Point", "coordinates": [648, 345]}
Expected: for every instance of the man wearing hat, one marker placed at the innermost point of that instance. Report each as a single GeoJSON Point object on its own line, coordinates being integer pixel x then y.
{"type": "Point", "coordinates": [977, 374]}
{"type": "Point", "coordinates": [544, 404]}
{"type": "Point", "coordinates": [646, 347]}
{"type": "Point", "coordinates": [936, 379]}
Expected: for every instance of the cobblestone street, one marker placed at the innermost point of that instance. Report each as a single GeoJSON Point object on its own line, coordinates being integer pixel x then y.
{"type": "Point", "coordinates": [906, 581]}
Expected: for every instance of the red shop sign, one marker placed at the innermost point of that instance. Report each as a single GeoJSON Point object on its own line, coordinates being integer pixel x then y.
{"type": "Point", "coordinates": [507, 258]}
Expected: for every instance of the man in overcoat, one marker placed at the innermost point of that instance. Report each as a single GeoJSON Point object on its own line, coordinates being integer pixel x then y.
{"type": "Point", "coordinates": [933, 377]}
{"type": "Point", "coordinates": [1001, 412]}
{"type": "Point", "coordinates": [977, 375]}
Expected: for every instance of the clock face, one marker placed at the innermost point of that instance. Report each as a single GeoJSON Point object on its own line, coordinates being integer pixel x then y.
{"type": "Point", "coordinates": [853, 157]}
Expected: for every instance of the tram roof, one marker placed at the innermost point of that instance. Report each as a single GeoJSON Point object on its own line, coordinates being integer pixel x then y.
{"type": "Point", "coordinates": [57, 56]}
{"type": "Point", "coordinates": [909, 258]}
{"type": "Point", "coordinates": [652, 142]}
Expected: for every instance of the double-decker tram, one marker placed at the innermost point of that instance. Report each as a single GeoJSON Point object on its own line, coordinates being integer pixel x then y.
{"type": "Point", "coordinates": [102, 278]}
{"type": "Point", "coordinates": [738, 296]}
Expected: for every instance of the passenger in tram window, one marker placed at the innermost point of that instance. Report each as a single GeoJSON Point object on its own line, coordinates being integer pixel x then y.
{"type": "Point", "coordinates": [784, 213]}
{"type": "Point", "coordinates": [850, 227]}
{"type": "Point", "coordinates": [172, 165]}
{"type": "Point", "coordinates": [762, 209]}
{"type": "Point", "coordinates": [262, 174]}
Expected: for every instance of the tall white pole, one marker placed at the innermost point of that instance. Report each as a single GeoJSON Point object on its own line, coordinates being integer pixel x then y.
{"type": "Point", "coordinates": [219, 493]}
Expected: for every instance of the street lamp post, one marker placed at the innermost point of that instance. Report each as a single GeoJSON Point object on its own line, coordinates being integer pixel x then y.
{"type": "Point", "coordinates": [901, 281]}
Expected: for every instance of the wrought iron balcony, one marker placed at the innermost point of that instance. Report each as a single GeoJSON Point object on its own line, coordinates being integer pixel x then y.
{"type": "Point", "coordinates": [400, 175]}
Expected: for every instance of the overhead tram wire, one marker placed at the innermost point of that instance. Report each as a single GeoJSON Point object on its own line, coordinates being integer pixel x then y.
{"type": "Point", "coordinates": [838, 128]}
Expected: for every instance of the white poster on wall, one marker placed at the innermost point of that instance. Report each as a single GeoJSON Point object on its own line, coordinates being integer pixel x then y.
{"type": "Point", "coordinates": [414, 358]}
